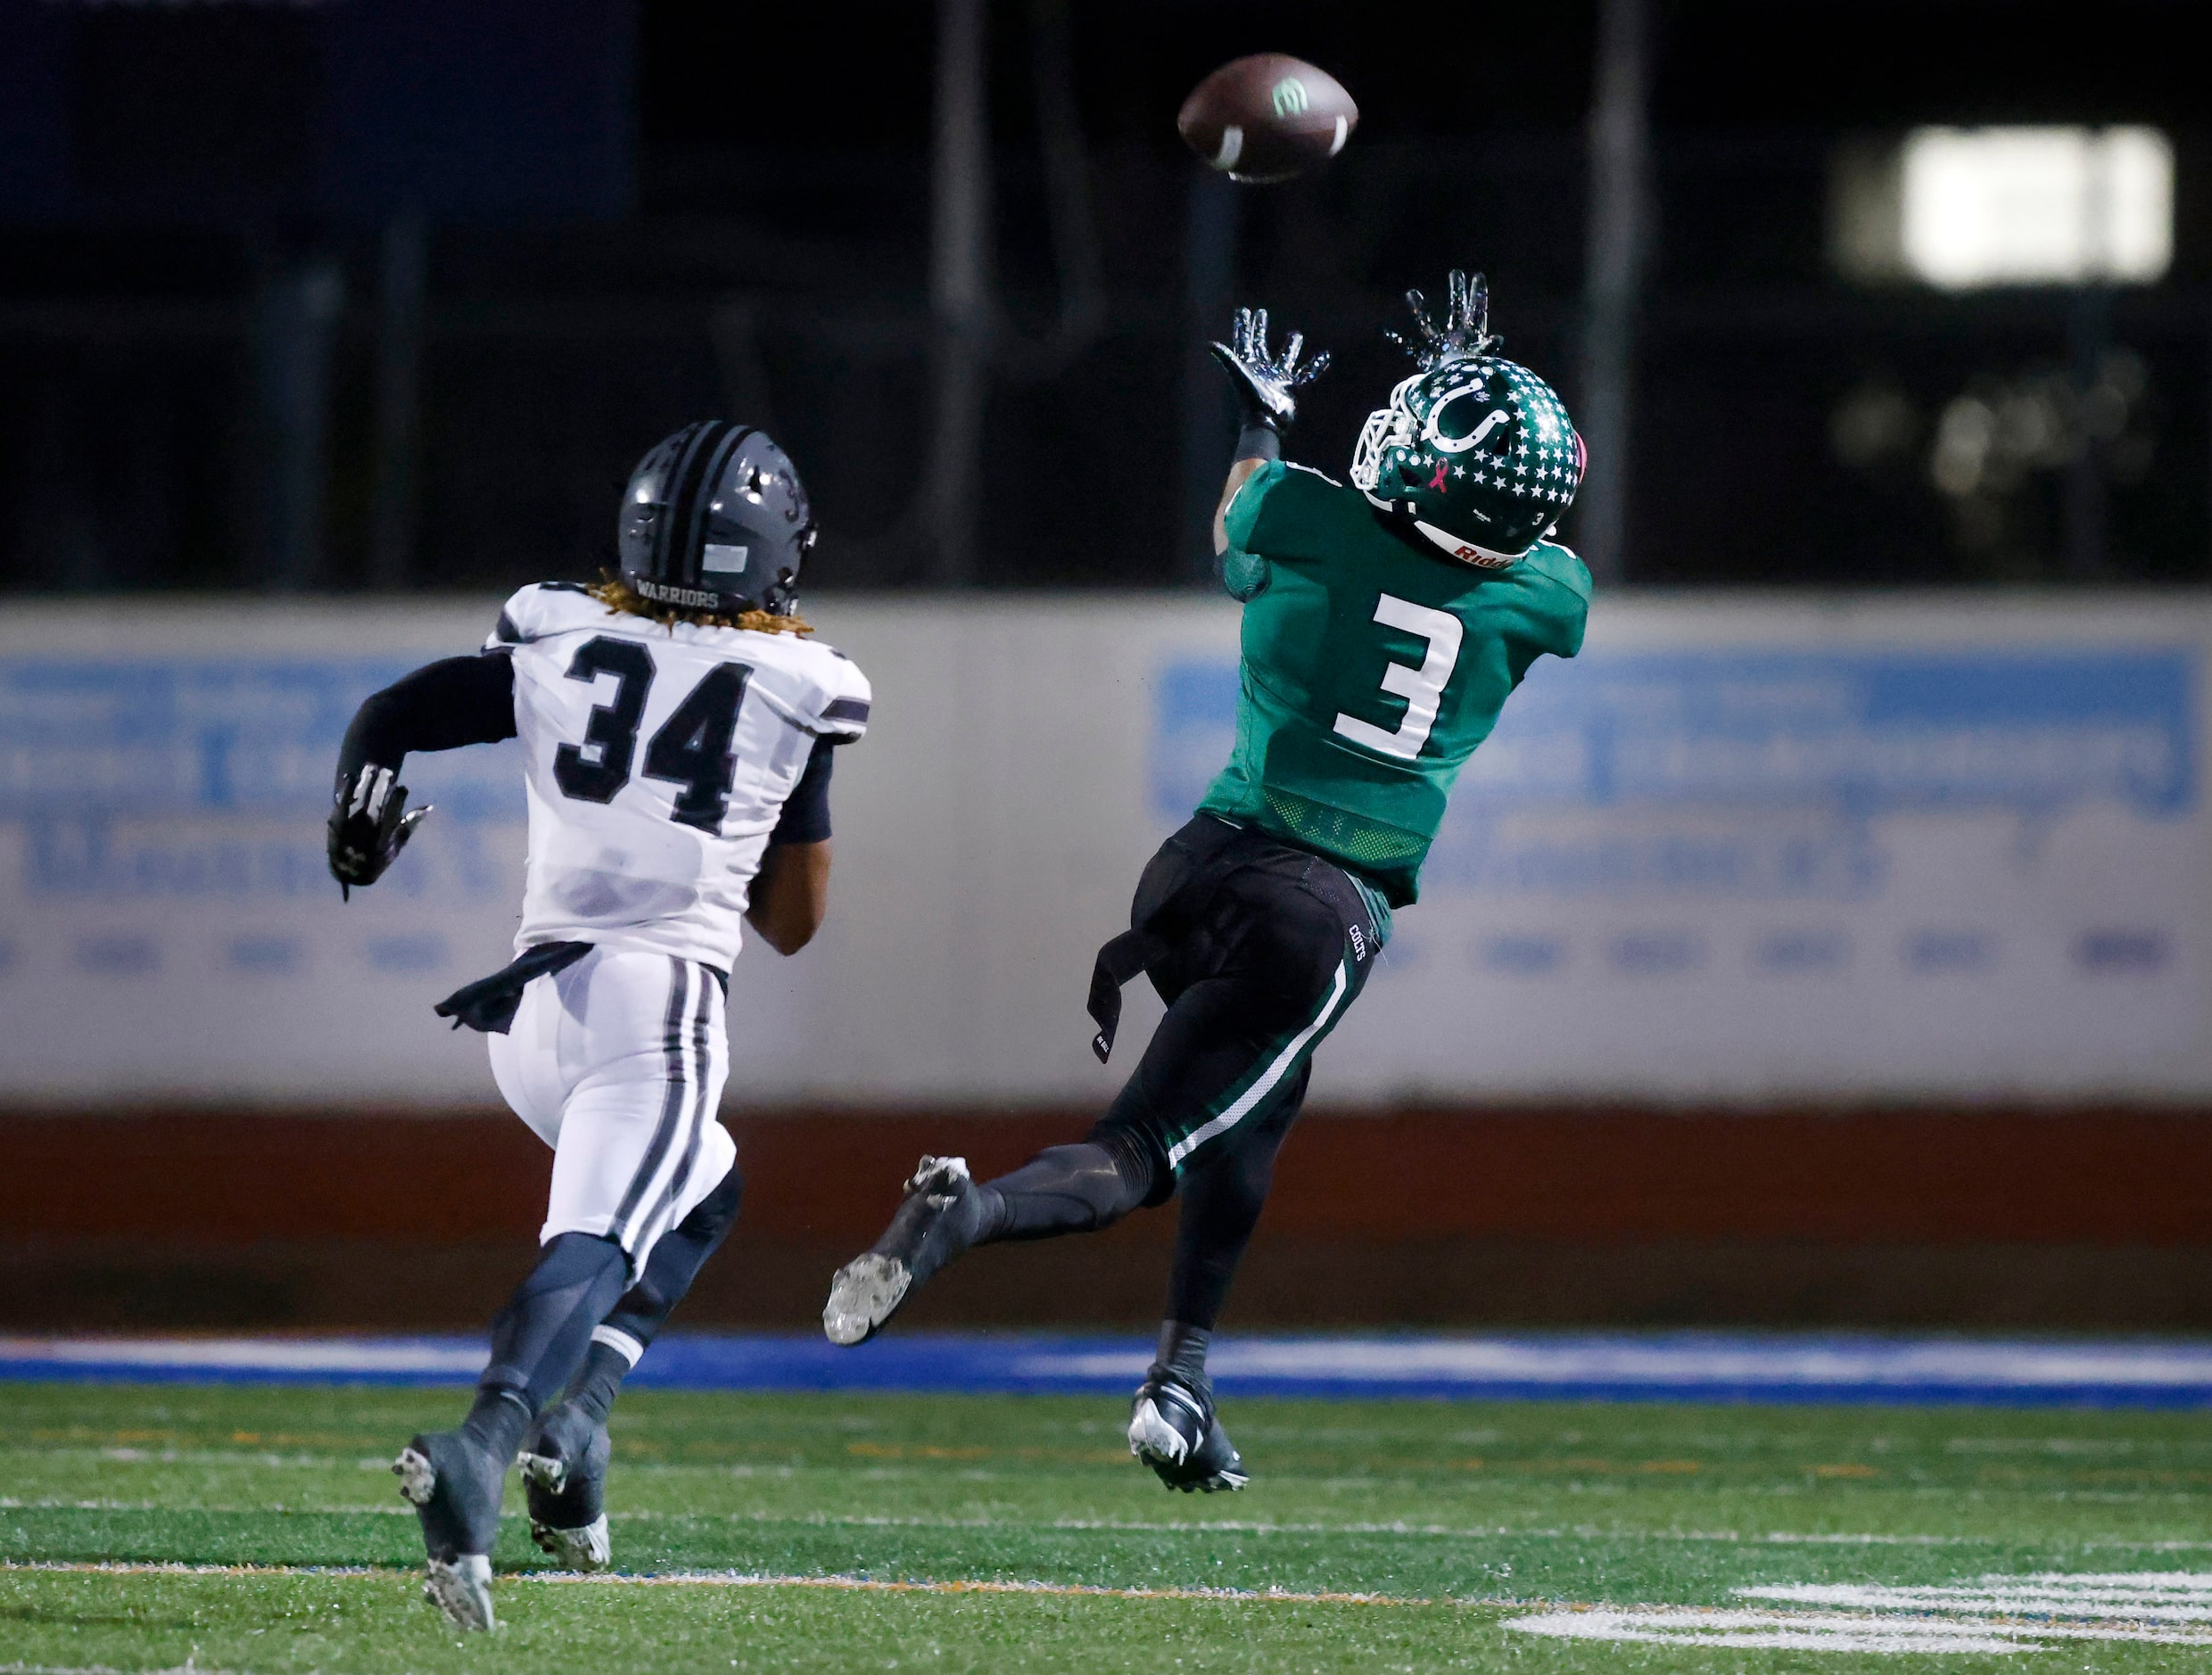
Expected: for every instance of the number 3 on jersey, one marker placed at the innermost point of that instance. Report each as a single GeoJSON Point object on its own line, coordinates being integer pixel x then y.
{"type": "Point", "coordinates": [1422, 689]}
{"type": "Point", "coordinates": [690, 748]}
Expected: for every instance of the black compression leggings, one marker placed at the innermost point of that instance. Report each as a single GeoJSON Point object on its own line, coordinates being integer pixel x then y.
{"type": "Point", "coordinates": [1221, 1204]}
{"type": "Point", "coordinates": [1090, 1185]}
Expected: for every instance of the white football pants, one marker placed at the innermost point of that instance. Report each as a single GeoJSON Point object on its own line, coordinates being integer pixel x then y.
{"type": "Point", "coordinates": [618, 1063]}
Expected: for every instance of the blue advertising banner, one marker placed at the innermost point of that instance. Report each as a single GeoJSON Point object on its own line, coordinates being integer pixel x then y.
{"type": "Point", "coordinates": [1893, 848]}
{"type": "Point", "coordinates": [171, 924]}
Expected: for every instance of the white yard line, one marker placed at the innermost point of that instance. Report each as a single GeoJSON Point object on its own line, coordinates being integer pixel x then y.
{"type": "Point", "coordinates": [103, 1669]}
{"type": "Point", "coordinates": [387, 1357]}
{"type": "Point", "coordinates": [1996, 1614]}
{"type": "Point", "coordinates": [147, 1567]}
{"type": "Point", "coordinates": [869, 1585]}
{"type": "Point", "coordinates": [1239, 1526]}
{"type": "Point", "coordinates": [742, 1579]}
{"type": "Point", "coordinates": [1831, 1632]}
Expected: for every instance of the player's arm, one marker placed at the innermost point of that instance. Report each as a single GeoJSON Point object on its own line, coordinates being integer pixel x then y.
{"type": "Point", "coordinates": [791, 890]}
{"type": "Point", "coordinates": [456, 701]}
{"type": "Point", "coordinates": [1266, 387]}
{"type": "Point", "coordinates": [790, 894]}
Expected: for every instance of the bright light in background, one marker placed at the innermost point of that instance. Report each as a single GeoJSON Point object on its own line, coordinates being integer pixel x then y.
{"type": "Point", "coordinates": [2010, 206]}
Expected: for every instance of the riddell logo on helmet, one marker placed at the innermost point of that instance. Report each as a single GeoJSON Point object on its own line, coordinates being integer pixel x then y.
{"type": "Point", "coordinates": [663, 593]}
{"type": "Point", "coordinates": [1481, 560]}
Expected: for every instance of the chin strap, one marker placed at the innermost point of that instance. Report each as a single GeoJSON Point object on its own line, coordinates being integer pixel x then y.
{"type": "Point", "coordinates": [1450, 545]}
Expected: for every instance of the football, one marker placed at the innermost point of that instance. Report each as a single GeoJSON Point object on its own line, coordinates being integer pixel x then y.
{"type": "Point", "coordinates": [1268, 116]}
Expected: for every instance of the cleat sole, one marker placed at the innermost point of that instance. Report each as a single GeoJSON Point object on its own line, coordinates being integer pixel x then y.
{"type": "Point", "coordinates": [547, 1472]}
{"type": "Point", "coordinates": [418, 1478]}
{"type": "Point", "coordinates": [589, 1548]}
{"type": "Point", "coordinates": [866, 1292]}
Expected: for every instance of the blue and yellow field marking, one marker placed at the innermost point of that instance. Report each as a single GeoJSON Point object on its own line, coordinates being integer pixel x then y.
{"type": "Point", "coordinates": [1768, 1368]}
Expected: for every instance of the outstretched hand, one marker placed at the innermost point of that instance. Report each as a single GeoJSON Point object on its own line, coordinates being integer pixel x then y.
{"type": "Point", "coordinates": [1466, 328]}
{"type": "Point", "coordinates": [369, 824]}
{"type": "Point", "coordinates": [1266, 384]}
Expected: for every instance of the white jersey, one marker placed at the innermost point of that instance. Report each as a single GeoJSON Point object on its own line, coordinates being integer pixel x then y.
{"type": "Point", "coordinates": [658, 761]}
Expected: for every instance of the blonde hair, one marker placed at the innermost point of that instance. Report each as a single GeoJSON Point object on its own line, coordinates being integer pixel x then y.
{"type": "Point", "coordinates": [618, 595]}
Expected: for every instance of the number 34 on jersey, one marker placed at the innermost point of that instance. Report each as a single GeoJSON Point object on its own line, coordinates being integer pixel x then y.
{"type": "Point", "coordinates": [659, 760]}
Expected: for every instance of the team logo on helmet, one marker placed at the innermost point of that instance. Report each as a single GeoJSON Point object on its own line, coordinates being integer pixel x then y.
{"type": "Point", "coordinates": [1476, 451]}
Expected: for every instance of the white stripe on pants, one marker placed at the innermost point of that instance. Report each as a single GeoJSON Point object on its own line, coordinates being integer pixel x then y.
{"type": "Point", "coordinates": [618, 1063]}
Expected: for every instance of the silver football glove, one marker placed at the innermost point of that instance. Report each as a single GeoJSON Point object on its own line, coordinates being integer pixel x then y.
{"type": "Point", "coordinates": [1266, 384]}
{"type": "Point", "coordinates": [1466, 331]}
{"type": "Point", "coordinates": [369, 824]}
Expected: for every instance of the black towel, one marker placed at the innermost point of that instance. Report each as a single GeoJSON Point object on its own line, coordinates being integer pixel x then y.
{"type": "Point", "coordinates": [489, 1005]}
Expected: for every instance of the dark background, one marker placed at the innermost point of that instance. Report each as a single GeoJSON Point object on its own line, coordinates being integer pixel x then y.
{"type": "Point", "coordinates": [460, 265]}
{"type": "Point", "coordinates": [336, 295]}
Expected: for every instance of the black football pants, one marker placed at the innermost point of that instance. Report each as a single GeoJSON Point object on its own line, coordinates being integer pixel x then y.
{"type": "Point", "coordinates": [1264, 949]}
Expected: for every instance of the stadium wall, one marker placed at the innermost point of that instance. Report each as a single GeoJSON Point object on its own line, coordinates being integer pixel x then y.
{"type": "Point", "coordinates": [2075, 1219]}
{"type": "Point", "coordinates": [1835, 961]}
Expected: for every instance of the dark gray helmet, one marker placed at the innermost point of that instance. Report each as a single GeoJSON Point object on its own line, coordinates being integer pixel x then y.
{"type": "Point", "coordinates": [715, 519]}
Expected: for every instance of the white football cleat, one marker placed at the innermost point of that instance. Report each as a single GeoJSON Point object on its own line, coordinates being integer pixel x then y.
{"type": "Point", "coordinates": [586, 1549]}
{"type": "Point", "coordinates": [461, 1589]}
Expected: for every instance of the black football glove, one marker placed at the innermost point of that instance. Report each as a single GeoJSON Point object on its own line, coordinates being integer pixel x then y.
{"type": "Point", "coordinates": [369, 824]}
{"type": "Point", "coordinates": [1266, 384]}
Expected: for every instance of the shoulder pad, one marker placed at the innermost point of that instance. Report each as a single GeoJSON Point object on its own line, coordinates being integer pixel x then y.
{"type": "Point", "coordinates": [844, 697]}
{"type": "Point", "coordinates": [1561, 564]}
{"type": "Point", "coordinates": [544, 608]}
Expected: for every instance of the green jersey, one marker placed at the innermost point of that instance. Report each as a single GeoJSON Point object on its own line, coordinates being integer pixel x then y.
{"type": "Point", "coordinates": [1373, 666]}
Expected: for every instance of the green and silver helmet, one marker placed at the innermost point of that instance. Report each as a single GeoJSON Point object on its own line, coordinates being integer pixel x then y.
{"type": "Point", "coordinates": [1474, 451]}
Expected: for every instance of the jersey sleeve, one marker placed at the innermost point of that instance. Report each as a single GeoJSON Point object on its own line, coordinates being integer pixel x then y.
{"type": "Point", "coordinates": [1569, 595]}
{"type": "Point", "coordinates": [1243, 575]}
{"type": "Point", "coordinates": [1285, 512]}
{"type": "Point", "coordinates": [805, 816]}
{"type": "Point", "coordinates": [841, 700]}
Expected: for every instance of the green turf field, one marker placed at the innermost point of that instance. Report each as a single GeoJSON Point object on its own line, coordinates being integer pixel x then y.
{"type": "Point", "coordinates": [1453, 1520]}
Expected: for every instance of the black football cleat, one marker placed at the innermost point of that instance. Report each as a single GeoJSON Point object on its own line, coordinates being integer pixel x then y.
{"type": "Point", "coordinates": [942, 1214]}
{"type": "Point", "coordinates": [455, 1487]}
{"type": "Point", "coordinates": [564, 1474]}
{"type": "Point", "coordinates": [1173, 1429]}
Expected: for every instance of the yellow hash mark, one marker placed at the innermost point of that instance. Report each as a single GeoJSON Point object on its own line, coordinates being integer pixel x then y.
{"type": "Point", "coordinates": [85, 1434]}
{"type": "Point", "coordinates": [915, 1451]}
